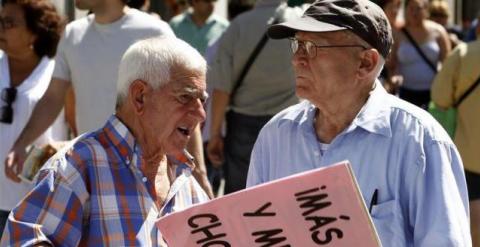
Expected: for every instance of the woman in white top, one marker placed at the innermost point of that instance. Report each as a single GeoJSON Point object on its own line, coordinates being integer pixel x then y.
{"type": "Point", "coordinates": [432, 40]}
{"type": "Point", "coordinates": [29, 34]}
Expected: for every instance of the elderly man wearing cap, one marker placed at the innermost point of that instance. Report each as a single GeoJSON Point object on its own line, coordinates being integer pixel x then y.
{"type": "Point", "coordinates": [401, 157]}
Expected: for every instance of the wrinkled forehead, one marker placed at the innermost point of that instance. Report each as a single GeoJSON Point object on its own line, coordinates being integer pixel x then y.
{"type": "Point", "coordinates": [188, 81]}
{"type": "Point", "coordinates": [179, 71]}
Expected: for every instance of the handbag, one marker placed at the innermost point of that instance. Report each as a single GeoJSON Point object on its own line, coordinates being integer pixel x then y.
{"type": "Point", "coordinates": [448, 118]}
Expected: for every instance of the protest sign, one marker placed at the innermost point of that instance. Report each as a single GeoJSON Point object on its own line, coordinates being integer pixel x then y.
{"type": "Point", "coordinates": [322, 207]}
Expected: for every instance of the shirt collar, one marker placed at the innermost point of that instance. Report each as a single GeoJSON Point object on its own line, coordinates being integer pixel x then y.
{"type": "Point", "coordinates": [374, 116]}
{"type": "Point", "coordinates": [120, 136]}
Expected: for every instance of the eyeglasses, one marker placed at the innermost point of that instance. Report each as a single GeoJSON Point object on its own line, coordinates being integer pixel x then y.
{"type": "Point", "coordinates": [311, 48]}
{"type": "Point", "coordinates": [6, 112]}
{"type": "Point", "coordinates": [8, 23]}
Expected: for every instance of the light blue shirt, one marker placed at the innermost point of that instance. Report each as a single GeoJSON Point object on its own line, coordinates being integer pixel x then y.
{"type": "Point", "coordinates": [394, 147]}
{"type": "Point", "coordinates": [198, 37]}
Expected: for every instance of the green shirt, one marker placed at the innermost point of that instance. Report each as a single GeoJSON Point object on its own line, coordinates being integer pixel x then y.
{"type": "Point", "coordinates": [198, 37]}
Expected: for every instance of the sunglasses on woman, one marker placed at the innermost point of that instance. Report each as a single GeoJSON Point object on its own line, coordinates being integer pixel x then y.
{"type": "Point", "coordinates": [8, 95]}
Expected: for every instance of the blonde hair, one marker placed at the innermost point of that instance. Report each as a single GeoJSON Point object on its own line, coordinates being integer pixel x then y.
{"type": "Point", "coordinates": [439, 8]}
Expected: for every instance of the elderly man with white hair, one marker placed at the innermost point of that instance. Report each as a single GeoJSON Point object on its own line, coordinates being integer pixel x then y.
{"type": "Point", "coordinates": [110, 186]}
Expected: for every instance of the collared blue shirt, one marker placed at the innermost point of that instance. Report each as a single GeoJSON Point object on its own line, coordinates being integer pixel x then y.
{"type": "Point", "coordinates": [93, 193]}
{"type": "Point", "coordinates": [395, 148]}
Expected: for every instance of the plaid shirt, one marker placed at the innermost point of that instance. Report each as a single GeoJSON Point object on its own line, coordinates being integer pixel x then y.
{"type": "Point", "coordinates": [94, 194]}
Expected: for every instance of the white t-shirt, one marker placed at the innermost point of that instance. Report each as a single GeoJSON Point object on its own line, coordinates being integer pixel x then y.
{"type": "Point", "coordinates": [28, 94]}
{"type": "Point", "coordinates": [88, 56]}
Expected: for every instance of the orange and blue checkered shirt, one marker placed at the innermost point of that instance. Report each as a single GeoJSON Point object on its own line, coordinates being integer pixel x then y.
{"type": "Point", "coordinates": [93, 193]}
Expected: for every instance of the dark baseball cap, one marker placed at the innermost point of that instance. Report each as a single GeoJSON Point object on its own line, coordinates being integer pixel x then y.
{"type": "Point", "coordinates": [362, 17]}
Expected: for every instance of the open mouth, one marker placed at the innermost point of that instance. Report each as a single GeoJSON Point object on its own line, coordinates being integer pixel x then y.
{"type": "Point", "coordinates": [184, 130]}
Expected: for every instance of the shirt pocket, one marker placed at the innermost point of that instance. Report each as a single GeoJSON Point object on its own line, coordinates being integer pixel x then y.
{"type": "Point", "coordinates": [389, 223]}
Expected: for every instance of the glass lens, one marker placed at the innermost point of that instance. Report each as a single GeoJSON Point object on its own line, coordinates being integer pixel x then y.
{"type": "Point", "coordinates": [9, 94]}
{"type": "Point", "coordinates": [6, 114]}
{"type": "Point", "coordinates": [294, 45]}
{"type": "Point", "coordinates": [309, 48]}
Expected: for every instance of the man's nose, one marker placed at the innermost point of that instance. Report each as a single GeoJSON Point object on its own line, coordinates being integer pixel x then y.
{"type": "Point", "coordinates": [299, 58]}
{"type": "Point", "coordinates": [198, 110]}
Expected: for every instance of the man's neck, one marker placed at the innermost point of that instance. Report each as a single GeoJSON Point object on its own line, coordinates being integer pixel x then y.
{"type": "Point", "coordinates": [151, 153]}
{"type": "Point", "coordinates": [332, 118]}
{"type": "Point", "coordinates": [111, 13]}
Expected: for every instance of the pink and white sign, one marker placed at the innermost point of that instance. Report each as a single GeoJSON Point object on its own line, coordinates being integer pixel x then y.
{"type": "Point", "coordinates": [322, 207]}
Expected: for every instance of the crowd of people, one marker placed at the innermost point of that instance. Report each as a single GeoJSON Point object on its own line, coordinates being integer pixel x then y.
{"type": "Point", "coordinates": [274, 90]}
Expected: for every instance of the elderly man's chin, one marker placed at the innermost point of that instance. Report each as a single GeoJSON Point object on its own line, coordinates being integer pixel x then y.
{"type": "Point", "coordinates": [302, 91]}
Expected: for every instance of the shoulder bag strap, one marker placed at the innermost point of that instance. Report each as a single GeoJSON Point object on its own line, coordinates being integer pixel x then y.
{"type": "Point", "coordinates": [250, 61]}
{"type": "Point", "coordinates": [470, 90]}
{"type": "Point", "coordinates": [420, 52]}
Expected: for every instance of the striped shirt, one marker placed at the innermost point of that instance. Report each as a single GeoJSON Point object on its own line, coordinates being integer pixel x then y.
{"type": "Point", "coordinates": [93, 193]}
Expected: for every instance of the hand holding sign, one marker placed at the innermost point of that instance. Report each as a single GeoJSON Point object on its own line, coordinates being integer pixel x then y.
{"type": "Point", "coordinates": [322, 207]}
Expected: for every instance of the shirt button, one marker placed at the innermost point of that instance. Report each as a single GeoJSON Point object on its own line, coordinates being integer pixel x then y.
{"type": "Point", "coordinates": [144, 179]}
{"type": "Point", "coordinates": [127, 161]}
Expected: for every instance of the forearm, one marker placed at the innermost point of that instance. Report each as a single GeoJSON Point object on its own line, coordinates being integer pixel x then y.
{"type": "Point", "coordinates": [220, 101]}
{"type": "Point", "coordinates": [195, 147]}
{"type": "Point", "coordinates": [44, 113]}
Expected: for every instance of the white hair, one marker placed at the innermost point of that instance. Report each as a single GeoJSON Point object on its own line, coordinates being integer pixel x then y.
{"type": "Point", "coordinates": [152, 61]}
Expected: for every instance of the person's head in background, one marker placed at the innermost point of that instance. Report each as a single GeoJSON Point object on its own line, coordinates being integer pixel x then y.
{"type": "Point", "coordinates": [237, 7]}
{"type": "Point", "coordinates": [29, 27]}
{"type": "Point", "coordinates": [202, 8]}
{"type": "Point", "coordinates": [391, 9]}
{"type": "Point", "coordinates": [416, 12]}
{"type": "Point", "coordinates": [142, 5]}
{"type": "Point", "coordinates": [439, 12]}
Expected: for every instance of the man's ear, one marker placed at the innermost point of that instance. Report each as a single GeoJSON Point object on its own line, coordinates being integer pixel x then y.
{"type": "Point", "coordinates": [369, 60]}
{"type": "Point", "coordinates": [137, 92]}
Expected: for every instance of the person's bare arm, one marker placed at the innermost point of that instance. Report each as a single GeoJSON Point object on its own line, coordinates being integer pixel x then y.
{"type": "Point", "coordinates": [195, 147]}
{"type": "Point", "coordinates": [220, 101]}
{"type": "Point", "coordinates": [43, 115]}
{"type": "Point", "coordinates": [444, 43]}
{"type": "Point", "coordinates": [70, 111]}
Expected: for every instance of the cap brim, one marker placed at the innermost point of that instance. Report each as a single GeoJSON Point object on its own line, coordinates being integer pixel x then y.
{"type": "Point", "coordinates": [304, 23]}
